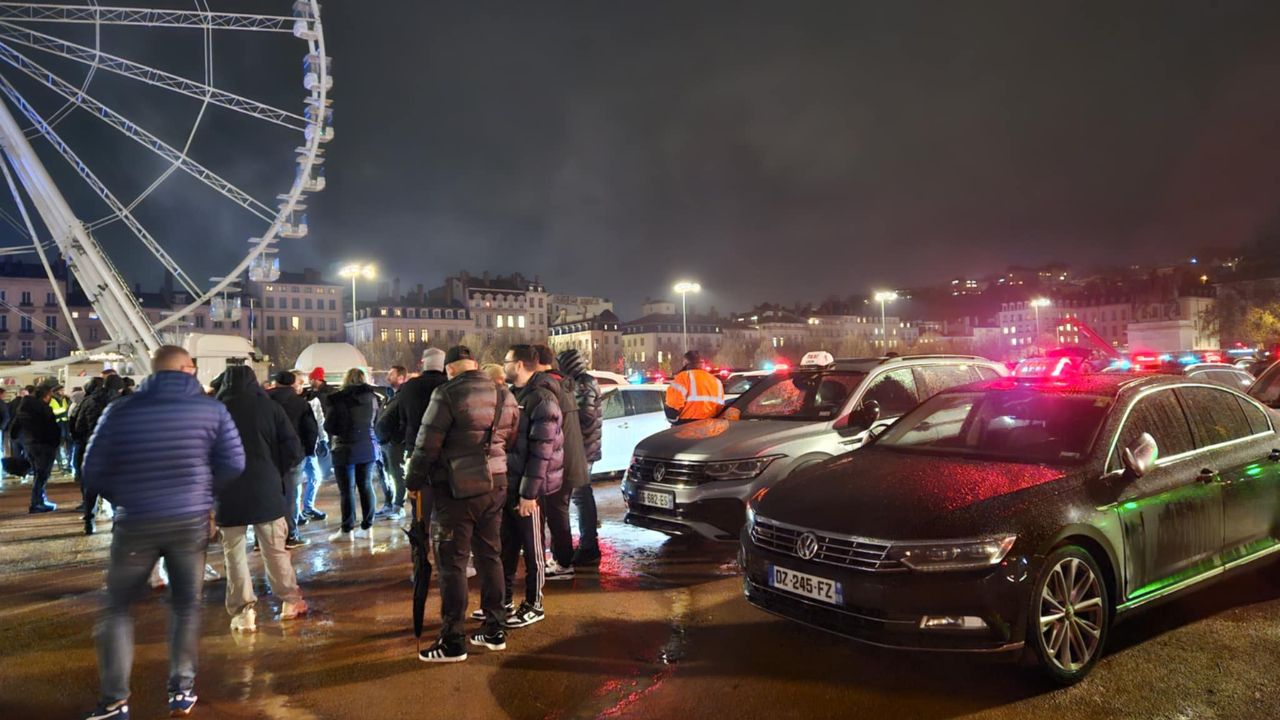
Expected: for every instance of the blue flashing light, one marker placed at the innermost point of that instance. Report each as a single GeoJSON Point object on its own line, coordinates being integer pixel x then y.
{"type": "Point", "coordinates": [1165, 357]}
{"type": "Point", "coordinates": [636, 379]}
{"type": "Point", "coordinates": [1121, 364]}
{"type": "Point", "coordinates": [768, 367]}
{"type": "Point", "coordinates": [1188, 359]}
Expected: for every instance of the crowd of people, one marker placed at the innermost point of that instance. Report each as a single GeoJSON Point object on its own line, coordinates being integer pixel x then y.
{"type": "Point", "coordinates": [490, 459]}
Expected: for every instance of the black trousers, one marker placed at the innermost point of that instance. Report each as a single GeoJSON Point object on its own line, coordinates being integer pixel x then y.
{"type": "Point", "coordinates": [555, 510]}
{"type": "Point", "coordinates": [459, 529]}
{"type": "Point", "coordinates": [523, 534]}
{"type": "Point", "coordinates": [353, 479]}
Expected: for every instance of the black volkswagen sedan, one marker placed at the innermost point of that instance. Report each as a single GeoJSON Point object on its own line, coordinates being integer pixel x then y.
{"type": "Point", "coordinates": [1022, 515]}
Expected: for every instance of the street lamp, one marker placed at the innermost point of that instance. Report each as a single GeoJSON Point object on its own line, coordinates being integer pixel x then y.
{"type": "Point", "coordinates": [353, 271]}
{"type": "Point", "coordinates": [882, 297]}
{"type": "Point", "coordinates": [685, 287]}
{"type": "Point", "coordinates": [1038, 303]}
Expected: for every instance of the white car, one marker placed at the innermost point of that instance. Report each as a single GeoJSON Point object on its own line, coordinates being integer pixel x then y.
{"type": "Point", "coordinates": [604, 377]}
{"type": "Point", "coordinates": [631, 413]}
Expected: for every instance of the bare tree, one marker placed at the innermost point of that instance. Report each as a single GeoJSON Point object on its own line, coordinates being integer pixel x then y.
{"type": "Point", "coordinates": [285, 348]}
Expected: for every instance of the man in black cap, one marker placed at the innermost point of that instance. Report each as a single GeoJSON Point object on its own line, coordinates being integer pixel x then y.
{"type": "Point", "coordinates": [460, 459]}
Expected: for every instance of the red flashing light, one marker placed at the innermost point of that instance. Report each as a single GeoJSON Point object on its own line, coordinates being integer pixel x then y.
{"type": "Point", "coordinates": [1213, 357]}
{"type": "Point", "coordinates": [781, 367]}
{"type": "Point", "coordinates": [1144, 359]}
{"type": "Point", "coordinates": [1064, 363]}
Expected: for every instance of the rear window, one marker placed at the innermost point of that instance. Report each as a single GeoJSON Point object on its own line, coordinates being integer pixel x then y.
{"type": "Point", "coordinates": [936, 378]}
{"type": "Point", "coordinates": [1266, 389]}
{"type": "Point", "coordinates": [643, 401]}
{"type": "Point", "coordinates": [1215, 415]}
{"type": "Point", "coordinates": [1256, 417]}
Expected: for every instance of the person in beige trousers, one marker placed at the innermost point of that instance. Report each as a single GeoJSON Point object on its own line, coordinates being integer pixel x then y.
{"type": "Point", "coordinates": [257, 499]}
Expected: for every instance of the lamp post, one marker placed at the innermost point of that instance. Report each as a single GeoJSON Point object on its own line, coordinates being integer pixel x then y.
{"type": "Point", "coordinates": [886, 296]}
{"type": "Point", "coordinates": [685, 287]}
{"type": "Point", "coordinates": [353, 271]}
{"type": "Point", "coordinates": [1036, 304]}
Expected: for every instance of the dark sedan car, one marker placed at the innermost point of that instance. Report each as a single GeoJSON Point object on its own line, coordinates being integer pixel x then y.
{"type": "Point", "coordinates": [1021, 514]}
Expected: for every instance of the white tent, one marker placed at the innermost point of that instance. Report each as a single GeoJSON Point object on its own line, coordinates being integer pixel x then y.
{"type": "Point", "coordinates": [335, 358]}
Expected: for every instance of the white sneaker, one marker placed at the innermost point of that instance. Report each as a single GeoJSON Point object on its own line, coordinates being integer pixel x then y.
{"type": "Point", "coordinates": [471, 570]}
{"type": "Point", "coordinates": [555, 571]}
{"type": "Point", "coordinates": [293, 610]}
{"type": "Point", "coordinates": [210, 573]}
{"type": "Point", "coordinates": [246, 620]}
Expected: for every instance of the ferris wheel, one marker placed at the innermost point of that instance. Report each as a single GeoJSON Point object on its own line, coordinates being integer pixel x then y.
{"type": "Point", "coordinates": [53, 60]}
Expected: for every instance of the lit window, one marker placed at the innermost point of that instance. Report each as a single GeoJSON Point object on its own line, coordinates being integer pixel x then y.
{"type": "Point", "coordinates": [399, 335]}
{"type": "Point", "coordinates": [499, 321]}
{"type": "Point", "coordinates": [382, 334]}
{"type": "Point", "coordinates": [295, 323]}
{"type": "Point", "coordinates": [522, 321]}
{"type": "Point", "coordinates": [511, 321]}
{"type": "Point", "coordinates": [413, 336]}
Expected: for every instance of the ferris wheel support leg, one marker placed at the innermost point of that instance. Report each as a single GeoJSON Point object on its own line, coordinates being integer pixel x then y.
{"type": "Point", "coordinates": [108, 292]}
{"type": "Point", "coordinates": [44, 260]}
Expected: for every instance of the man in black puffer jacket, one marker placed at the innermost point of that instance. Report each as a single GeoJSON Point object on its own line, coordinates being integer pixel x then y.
{"type": "Point", "coordinates": [256, 498]}
{"type": "Point", "coordinates": [287, 393]}
{"type": "Point", "coordinates": [91, 409]}
{"type": "Point", "coordinates": [469, 419]}
{"type": "Point", "coordinates": [586, 394]}
{"type": "Point", "coordinates": [535, 469]}
{"type": "Point", "coordinates": [41, 437]}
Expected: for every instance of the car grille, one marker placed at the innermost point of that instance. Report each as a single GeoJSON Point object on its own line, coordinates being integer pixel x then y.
{"type": "Point", "coordinates": [674, 472]}
{"type": "Point", "coordinates": [842, 550]}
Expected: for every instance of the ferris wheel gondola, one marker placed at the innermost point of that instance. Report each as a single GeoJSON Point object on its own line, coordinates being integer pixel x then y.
{"type": "Point", "coordinates": [39, 41]}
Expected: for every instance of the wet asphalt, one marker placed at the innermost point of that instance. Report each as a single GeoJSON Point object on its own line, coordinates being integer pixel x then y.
{"type": "Point", "coordinates": [659, 631]}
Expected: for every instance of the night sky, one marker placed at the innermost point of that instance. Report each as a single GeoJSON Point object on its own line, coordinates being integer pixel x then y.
{"type": "Point", "coordinates": [773, 151]}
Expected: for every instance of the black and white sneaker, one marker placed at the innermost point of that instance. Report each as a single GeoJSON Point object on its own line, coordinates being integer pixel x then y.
{"type": "Point", "coordinates": [525, 615]}
{"type": "Point", "coordinates": [495, 641]}
{"type": "Point", "coordinates": [508, 608]}
{"type": "Point", "coordinates": [118, 710]}
{"type": "Point", "coordinates": [439, 652]}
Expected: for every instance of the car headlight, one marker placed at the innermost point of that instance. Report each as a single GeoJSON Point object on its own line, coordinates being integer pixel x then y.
{"type": "Point", "coordinates": [952, 554]}
{"type": "Point", "coordinates": [738, 469]}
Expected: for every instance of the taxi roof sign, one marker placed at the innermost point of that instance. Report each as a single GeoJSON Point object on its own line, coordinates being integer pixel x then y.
{"type": "Point", "coordinates": [1042, 367]}
{"type": "Point", "coordinates": [819, 358]}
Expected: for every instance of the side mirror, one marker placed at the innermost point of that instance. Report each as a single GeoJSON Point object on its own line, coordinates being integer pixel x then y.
{"type": "Point", "coordinates": [865, 416]}
{"type": "Point", "coordinates": [1140, 457]}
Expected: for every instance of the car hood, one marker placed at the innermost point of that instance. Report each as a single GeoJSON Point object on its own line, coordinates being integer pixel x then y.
{"type": "Point", "coordinates": [718, 439]}
{"type": "Point", "coordinates": [890, 495]}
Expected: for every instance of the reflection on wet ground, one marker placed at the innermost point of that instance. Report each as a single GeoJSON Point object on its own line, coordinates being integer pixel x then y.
{"type": "Point", "coordinates": [658, 631]}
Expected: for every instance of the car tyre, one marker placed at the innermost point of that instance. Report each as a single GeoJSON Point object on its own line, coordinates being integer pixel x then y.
{"type": "Point", "coordinates": [1069, 615]}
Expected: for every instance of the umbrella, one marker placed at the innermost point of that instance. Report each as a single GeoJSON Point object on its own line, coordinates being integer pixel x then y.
{"type": "Point", "coordinates": [420, 551]}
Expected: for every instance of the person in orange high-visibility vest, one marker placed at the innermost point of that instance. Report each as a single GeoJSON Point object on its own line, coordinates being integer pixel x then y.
{"type": "Point", "coordinates": [694, 393]}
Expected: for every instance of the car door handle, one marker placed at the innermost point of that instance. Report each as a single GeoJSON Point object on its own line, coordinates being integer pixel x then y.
{"type": "Point", "coordinates": [1207, 475]}
{"type": "Point", "coordinates": [1275, 455]}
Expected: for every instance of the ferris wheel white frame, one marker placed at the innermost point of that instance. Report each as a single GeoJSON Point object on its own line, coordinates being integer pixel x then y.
{"type": "Point", "coordinates": [130, 330]}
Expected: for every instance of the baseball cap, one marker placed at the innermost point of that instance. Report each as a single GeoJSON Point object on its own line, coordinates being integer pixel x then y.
{"type": "Point", "coordinates": [456, 353]}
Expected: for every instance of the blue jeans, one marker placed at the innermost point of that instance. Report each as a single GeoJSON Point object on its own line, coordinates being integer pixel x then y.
{"type": "Point", "coordinates": [317, 469]}
{"type": "Point", "coordinates": [293, 482]}
{"type": "Point", "coordinates": [135, 548]}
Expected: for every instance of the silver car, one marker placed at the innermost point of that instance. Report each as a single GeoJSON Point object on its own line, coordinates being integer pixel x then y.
{"type": "Point", "coordinates": [695, 479]}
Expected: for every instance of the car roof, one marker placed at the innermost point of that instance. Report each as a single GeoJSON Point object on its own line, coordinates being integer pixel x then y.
{"type": "Point", "coordinates": [1211, 366]}
{"type": "Point", "coordinates": [868, 364]}
{"type": "Point", "coordinates": [642, 386]}
{"type": "Point", "coordinates": [1104, 384]}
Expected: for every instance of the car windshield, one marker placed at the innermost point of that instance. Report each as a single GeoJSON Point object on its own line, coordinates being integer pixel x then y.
{"type": "Point", "coordinates": [1024, 425]}
{"type": "Point", "coordinates": [808, 396]}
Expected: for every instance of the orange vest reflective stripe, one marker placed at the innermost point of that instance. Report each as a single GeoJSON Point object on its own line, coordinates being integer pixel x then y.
{"type": "Point", "coordinates": [695, 394]}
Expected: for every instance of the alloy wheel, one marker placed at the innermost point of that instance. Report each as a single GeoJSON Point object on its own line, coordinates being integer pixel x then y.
{"type": "Point", "coordinates": [1072, 615]}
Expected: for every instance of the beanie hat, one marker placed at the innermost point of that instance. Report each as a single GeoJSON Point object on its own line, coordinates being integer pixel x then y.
{"type": "Point", "coordinates": [433, 359]}
{"type": "Point", "coordinates": [456, 353]}
{"type": "Point", "coordinates": [316, 374]}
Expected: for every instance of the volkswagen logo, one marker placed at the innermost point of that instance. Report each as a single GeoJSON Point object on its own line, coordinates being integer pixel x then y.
{"type": "Point", "coordinates": [659, 472]}
{"type": "Point", "coordinates": [807, 546]}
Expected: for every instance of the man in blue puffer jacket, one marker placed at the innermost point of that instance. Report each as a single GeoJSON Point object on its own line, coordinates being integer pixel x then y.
{"type": "Point", "coordinates": [160, 456]}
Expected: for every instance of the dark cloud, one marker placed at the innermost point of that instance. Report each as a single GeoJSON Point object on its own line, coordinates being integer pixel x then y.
{"type": "Point", "coordinates": [775, 151]}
